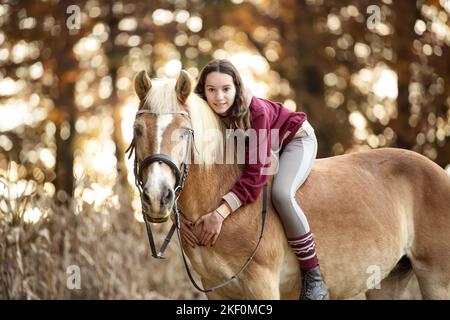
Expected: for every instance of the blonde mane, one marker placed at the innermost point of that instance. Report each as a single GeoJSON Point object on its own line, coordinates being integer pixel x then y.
{"type": "Point", "coordinates": [208, 129]}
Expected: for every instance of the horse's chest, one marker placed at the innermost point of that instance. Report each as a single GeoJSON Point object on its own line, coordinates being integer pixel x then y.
{"type": "Point", "coordinates": [209, 265]}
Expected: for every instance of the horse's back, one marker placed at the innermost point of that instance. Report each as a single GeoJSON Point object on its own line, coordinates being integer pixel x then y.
{"type": "Point", "coordinates": [366, 210]}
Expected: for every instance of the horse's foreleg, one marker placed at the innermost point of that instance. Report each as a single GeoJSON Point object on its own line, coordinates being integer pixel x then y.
{"type": "Point", "coordinates": [261, 283]}
{"type": "Point", "coordinates": [257, 284]}
{"type": "Point", "coordinates": [265, 288]}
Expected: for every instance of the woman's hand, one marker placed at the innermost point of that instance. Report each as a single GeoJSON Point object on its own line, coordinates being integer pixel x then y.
{"type": "Point", "coordinates": [212, 224]}
{"type": "Point", "coordinates": [187, 236]}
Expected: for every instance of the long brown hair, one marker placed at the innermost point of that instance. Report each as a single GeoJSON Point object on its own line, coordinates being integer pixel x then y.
{"type": "Point", "coordinates": [238, 116]}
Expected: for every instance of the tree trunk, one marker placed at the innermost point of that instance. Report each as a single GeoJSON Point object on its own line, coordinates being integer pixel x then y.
{"type": "Point", "coordinates": [406, 13]}
{"type": "Point", "coordinates": [64, 182]}
{"type": "Point", "coordinates": [115, 56]}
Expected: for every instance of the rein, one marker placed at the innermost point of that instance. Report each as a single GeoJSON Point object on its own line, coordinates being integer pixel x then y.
{"type": "Point", "coordinates": [179, 185]}
{"type": "Point", "coordinates": [244, 266]}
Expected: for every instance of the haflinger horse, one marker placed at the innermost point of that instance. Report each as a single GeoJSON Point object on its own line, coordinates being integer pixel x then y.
{"type": "Point", "coordinates": [379, 215]}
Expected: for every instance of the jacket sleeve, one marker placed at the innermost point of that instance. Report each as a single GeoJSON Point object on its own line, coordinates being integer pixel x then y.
{"type": "Point", "coordinates": [257, 164]}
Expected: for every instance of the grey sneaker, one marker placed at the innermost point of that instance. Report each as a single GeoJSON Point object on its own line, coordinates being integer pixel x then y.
{"type": "Point", "coordinates": [313, 287]}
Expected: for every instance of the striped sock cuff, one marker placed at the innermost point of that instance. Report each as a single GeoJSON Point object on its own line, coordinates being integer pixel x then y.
{"type": "Point", "coordinates": [304, 248]}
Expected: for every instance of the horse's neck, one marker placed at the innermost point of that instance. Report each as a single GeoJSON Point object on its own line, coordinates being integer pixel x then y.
{"type": "Point", "coordinates": [204, 189]}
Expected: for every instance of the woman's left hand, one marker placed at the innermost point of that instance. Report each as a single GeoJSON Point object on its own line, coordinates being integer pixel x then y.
{"type": "Point", "coordinates": [212, 224]}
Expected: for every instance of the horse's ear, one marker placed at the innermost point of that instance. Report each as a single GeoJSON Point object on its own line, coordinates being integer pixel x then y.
{"type": "Point", "coordinates": [183, 87]}
{"type": "Point", "coordinates": [142, 84]}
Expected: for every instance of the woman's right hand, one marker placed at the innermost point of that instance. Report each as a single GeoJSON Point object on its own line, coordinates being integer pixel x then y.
{"type": "Point", "coordinates": [187, 236]}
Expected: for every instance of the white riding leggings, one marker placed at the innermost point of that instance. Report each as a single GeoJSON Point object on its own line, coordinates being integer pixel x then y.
{"type": "Point", "coordinates": [295, 164]}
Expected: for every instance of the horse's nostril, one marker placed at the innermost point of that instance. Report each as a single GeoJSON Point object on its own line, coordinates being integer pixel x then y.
{"type": "Point", "coordinates": [167, 197]}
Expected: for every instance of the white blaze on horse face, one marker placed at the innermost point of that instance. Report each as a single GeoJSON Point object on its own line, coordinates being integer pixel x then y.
{"type": "Point", "coordinates": [158, 175]}
{"type": "Point", "coordinates": [161, 125]}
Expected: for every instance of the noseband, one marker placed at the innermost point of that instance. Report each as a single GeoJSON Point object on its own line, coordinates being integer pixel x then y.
{"type": "Point", "coordinates": [180, 179]}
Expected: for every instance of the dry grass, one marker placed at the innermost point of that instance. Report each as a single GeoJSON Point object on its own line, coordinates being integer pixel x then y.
{"type": "Point", "coordinates": [109, 246]}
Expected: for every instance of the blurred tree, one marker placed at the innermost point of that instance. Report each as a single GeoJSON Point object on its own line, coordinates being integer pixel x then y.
{"type": "Point", "coordinates": [44, 23]}
{"type": "Point", "coordinates": [422, 65]}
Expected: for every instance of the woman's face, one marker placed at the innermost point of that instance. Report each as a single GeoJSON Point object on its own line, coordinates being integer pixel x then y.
{"type": "Point", "coordinates": [220, 92]}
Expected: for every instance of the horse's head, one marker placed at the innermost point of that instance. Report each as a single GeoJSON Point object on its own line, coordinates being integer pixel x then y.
{"type": "Point", "coordinates": [161, 139]}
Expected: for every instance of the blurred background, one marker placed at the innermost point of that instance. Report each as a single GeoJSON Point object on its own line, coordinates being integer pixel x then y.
{"type": "Point", "coordinates": [369, 74]}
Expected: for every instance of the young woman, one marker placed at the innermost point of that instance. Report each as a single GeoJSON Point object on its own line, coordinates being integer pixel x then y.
{"type": "Point", "coordinates": [221, 86]}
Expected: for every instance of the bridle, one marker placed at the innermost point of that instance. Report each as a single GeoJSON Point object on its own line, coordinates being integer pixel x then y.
{"type": "Point", "coordinates": [180, 179]}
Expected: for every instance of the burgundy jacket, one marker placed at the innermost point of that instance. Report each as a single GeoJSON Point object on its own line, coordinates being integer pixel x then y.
{"type": "Point", "coordinates": [267, 115]}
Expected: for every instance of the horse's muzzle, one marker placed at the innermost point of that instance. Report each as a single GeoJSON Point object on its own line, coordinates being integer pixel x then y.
{"type": "Point", "coordinates": [158, 204]}
{"type": "Point", "coordinates": [153, 217]}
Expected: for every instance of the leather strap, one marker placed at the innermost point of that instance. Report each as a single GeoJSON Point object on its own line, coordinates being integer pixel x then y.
{"type": "Point", "coordinates": [160, 158]}
{"type": "Point", "coordinates": [160, 253]}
